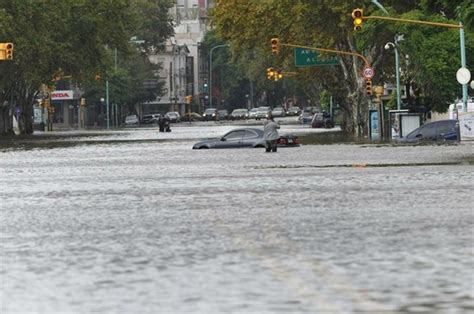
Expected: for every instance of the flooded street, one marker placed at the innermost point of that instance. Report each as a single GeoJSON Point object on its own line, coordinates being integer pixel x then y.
{"type": "Point", "coordinates": [135, 221]}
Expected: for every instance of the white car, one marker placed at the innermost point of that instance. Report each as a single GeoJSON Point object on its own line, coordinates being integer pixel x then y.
{"type": "Point", "coordinates": [253, 113]}
{"type": "Point", "coordinates": [173, 116]}
{"type": "Point", "coordinates": [132, 120]}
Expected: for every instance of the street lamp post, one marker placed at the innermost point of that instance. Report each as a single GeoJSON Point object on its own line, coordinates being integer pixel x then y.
{"type": "Point", "coordinates": [397, 68]}
{"type": "Point", "coordinates": [107, 102]}
{"type": "Point", "coordinates": [210, 71]}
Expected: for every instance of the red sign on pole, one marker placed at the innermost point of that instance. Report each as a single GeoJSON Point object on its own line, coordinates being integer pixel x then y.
{"type": "Point", "coordinates": [368, 73]}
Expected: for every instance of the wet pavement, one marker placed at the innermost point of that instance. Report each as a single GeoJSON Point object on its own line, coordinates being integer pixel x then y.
{"type": "Point", "coordinates": [136, 221]}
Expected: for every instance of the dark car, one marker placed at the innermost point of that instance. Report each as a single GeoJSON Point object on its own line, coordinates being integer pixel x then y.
{"type": "Point", "coordinates": [223, 114]}
{"type": "Point", "coordinates": [434, 132]}
{"type": "Point", "coordinates": [322, 120]}
{"type": "Point", "coordinates": [211, 114]}
{"type": "Point", "coordinates": [245, 138]}
{"type": "Point", "coordinates": [293, 111]}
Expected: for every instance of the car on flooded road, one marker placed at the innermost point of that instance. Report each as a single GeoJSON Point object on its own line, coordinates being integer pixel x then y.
{"type": "Point", "coordinates": [442, 131]}
{"type": "Point", "coordinates": [245, 138]}
{"type": "Point", "coordinates": [132, 120]}
{"type": "Point", "coordinates": [239, 114]}
{"type": "Point", "coordinates": [173, 116]}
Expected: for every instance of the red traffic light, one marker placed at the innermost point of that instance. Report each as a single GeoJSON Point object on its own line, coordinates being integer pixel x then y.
{"type": "Point", "coordinates": [275, 45]}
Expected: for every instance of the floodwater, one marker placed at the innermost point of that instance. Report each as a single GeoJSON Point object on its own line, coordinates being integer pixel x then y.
{"type": "Point", "coordinates": [135, 221]}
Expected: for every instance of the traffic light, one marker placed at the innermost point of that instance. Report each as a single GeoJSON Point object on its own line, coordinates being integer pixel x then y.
{"type": "Point", "coordinates": [98, 77]}
{"type": "Point", "coordinates": [9, 51]}
{"type": "Point", "coordinates": [358, 16]}
{"type": "Point", "coordinates": [275, 45]}
{"type": "Point", "coordinates": [368, 87]}
{"type": "Point", "coordinates": [189, 99]}
{"type": "Point", "coordinates": [6, 51]}
{"type": "Point", "coordinates": [270, 73]}
{"type": "Point", "coordinates": [278, 75]}
{"type": "Point", "coordinates": [83, 102]}
{"type": "Point", "coordinates": [205, 86]}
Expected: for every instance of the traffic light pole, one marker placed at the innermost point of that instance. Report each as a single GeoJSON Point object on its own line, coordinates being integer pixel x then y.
{"type": "Point", "coordinates": [210, 71]}
{"type": "Point", "coordinates": [461, 35]}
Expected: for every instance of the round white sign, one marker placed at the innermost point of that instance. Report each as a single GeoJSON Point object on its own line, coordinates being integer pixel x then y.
{"type": "Point", "coordinates": [463, 76]}
{"type": "Point", "coordinates": [472, 84]}
{"type": "Point", "coordinates": [368, 72]}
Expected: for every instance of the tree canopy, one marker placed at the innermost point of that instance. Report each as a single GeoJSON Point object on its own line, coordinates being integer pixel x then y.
{"type": "Point", "coordinates": [433, 53]}
{"type": "Point", "coordinates": [74, 37]}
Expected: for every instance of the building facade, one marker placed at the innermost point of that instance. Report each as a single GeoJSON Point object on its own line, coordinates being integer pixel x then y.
{"type": "Point", "coordinates": [184, 66]}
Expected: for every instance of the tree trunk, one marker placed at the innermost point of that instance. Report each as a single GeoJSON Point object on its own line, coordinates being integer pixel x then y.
{"type": "Point", "coordinates": [6, 126]}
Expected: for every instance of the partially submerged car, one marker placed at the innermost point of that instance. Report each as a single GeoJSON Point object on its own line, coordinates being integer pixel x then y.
{"type": "Point", "coordinates": [132, 120]}
{"type": "Point", "coordinates": [441, 131]}
{"type": "Point", "coordinates": [322, 120]}
{"type": "Point", "coordinates": [245, 138]}
{"type": "Point", "coordinates": [173, 116]}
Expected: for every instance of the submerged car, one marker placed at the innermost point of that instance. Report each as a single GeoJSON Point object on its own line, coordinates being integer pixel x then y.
{"type": "Point", "coordinates": [173, 116]}
{"type": "Point", "coordinates": [245, 138]}
{"type": "Point", "coordinates": [151, 118]}
{"type": "Point", "coordinates": [322, 120]}
{"type": "Point", "coordinates": [132, 120]}
{"type": "Point", "coordinates": [434, 132]}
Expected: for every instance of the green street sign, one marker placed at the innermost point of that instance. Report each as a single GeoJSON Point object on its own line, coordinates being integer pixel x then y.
{"type": "Point", "coordinates": [309, 58]}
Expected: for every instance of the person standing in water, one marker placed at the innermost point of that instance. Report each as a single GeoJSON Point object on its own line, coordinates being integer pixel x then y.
{"type": "Point", "coordinates": [270, 134]}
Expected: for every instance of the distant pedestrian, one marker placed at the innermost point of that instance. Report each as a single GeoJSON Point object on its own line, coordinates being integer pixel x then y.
{"type": "Point", "coordinates": [270, 134]}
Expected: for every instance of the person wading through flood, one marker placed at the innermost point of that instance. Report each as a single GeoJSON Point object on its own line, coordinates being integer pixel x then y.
{"type": "Point", "coordinates": [270, 134]}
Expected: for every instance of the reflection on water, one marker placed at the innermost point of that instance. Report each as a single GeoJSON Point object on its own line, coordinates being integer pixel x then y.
{"type": "Point", "coordinates": [140, 222]}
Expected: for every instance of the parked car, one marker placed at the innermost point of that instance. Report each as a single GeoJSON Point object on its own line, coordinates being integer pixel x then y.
{"type": "Point", "coordinates": [262, 113]}
{"type": "Point", "coordinates": [306, 117]}
{"type": "Point", "coordinates": [210, 114]}
{"type": "Point", "coordinates": [245, 138]}
{"type": "Point", "coordinates": [434, 132]}
{"type": "Point", "coordinates": [293, 111]}
{"type": "Point", "coordinates": [151, 118]}
{"type": "Point", "coordinates": [253, 113]}
{"type": "Point", "coordinates": [223, 114]}
{"type": "Point", "coordinates": [191, 116]}
{"type": "Point", "coordinates": [322, 120]}
{"type": "Point", "coordinates": [132, 120]}
{"type": "Point", "coordinates": [239, 114]}
{"type": "Point", "coordinates": [278, 112]}
{"type": "Point", "coordinates": [173, 116]}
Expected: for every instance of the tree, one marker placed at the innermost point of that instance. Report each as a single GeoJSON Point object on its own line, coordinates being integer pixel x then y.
{"type": "Point", "coordinates": [74, 36]}
{"type": "Point", "coordinates": [328, 24]}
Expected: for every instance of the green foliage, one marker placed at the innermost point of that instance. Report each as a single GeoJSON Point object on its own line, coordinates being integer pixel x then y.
{"type": "Point", "coordinates": [76, 37]}
{"type": "Point", "coordinates": [434, 52]}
